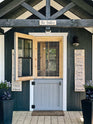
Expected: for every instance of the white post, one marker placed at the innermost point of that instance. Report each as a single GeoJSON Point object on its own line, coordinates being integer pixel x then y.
{"type": "Point", "coordinates": [92, 56]}
{"type": "Point", "coordinates": [2, 73]}
{"type": "Point", "coordinates": [65, 73]}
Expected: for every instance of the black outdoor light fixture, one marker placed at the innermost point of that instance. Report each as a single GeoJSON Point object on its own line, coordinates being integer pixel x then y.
{"type": "Point", "coordinates": [75, 41]}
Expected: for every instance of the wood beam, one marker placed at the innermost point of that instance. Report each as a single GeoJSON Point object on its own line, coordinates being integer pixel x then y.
{"type": "Point", "coordinates": [48, 13]}
{"type": "Point", "coordinates": [10, 6]}
{"type": "Point", "coordinates": [47, 9]}
{"type": "Point", "coordinates": [65, 23]}
{"type": "Point", "coordinates": [84, 6]}
{"type": "Point", "coordinates": [62, 11]}
{"type": "Point", "coordinates": [32, 10]}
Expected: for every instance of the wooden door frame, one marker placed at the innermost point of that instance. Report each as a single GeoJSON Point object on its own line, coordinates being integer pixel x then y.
{"type": "Point", "coordinates": [50, 39]}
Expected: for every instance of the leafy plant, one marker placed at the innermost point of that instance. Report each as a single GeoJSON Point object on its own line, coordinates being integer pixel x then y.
{"type": "Point", "coordinates": [5, 86]}
{"type": "Point", "coordinates": [89, 84]}
{"type": "Point", "coordinates": [89, 89]}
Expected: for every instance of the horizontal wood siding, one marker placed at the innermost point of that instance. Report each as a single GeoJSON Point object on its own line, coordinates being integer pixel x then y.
{"type": "Point", "coordinates": [73, 98]}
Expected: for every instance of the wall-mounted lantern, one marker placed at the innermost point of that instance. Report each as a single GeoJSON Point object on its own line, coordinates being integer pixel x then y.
{"type": "Point", "coordinates": [75, 41]}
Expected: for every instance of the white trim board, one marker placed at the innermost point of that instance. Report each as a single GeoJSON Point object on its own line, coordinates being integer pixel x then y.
{"type": "Point", "coordinates": [2, 71]}
{"type": "Point", "coordinates": [92, 56]}
{"type": "Point", "coordinates": [54, 4]}
{"type": "Point", "coordinates": [64, 35]}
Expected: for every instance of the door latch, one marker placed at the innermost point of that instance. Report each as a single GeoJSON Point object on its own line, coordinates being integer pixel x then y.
{"type": "Point", "coordinates": [33, 82]}
{"type": "Point", "coordinates": [60, 83]}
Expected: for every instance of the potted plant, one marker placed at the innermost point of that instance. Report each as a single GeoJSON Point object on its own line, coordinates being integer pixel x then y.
{"type": "Point", "coordinates": [87, 103]}
{"type": "Point", "coordinates": [6, 103]}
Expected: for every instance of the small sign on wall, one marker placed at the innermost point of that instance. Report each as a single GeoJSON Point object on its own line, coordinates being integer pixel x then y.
{"type": "Point", "coordinates": [16, 85]}
{"type": "Point", "coordinates": [47, 22]}
{"type": "Point", "coordinates": [79, 57]}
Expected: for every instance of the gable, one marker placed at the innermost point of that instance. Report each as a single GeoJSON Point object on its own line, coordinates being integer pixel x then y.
{"type": "Point", "coordinates": [40, 5]}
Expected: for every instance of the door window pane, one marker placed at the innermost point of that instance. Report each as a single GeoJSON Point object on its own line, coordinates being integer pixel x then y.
{"type": "Point", "coordinates": [48, 58]}
{"type": "Point", "coordinates": [24, 57]}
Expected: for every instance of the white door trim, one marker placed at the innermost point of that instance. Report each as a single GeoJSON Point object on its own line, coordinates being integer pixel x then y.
{"type": "Point", "coordinates": [92, 56]}
{"type": "Point", "coordinates": [2, 61]}
{"type": "Point", "coordinates": [64, 35]}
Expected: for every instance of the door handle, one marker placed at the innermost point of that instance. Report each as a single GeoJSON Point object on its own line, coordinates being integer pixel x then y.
{"type": "Point", "coordinates": [59, 93]}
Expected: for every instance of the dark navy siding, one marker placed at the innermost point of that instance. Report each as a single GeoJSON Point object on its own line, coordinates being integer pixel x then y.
{"type": "Point", "coordinates": [73, 98]}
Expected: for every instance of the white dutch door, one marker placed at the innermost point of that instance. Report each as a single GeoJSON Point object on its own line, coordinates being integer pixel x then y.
{"type": "Point", "coordinates": [48, 85]}
{"type": "Point", "coordinates": [48, 94]}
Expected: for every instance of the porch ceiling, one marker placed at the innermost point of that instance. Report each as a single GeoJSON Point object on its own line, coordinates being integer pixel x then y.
{"type": "Point", "coordinates": [18, 10]}
{"type": "Point", "coordinates": [84, 11]}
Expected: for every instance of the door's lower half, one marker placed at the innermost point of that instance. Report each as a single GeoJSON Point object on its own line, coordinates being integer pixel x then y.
{"type": "Point", "coordinates": [48, 94]}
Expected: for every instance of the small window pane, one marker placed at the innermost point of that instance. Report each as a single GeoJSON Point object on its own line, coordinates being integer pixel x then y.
{"type": "Point", "coordinates": [24, 57]}
{"type": "Point", "coordinates": [48, 59]}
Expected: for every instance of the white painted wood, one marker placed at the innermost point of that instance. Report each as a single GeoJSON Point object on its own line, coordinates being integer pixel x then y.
{"type": "Point", "coordinates": [92, 57]}
{"type": "Point", "coordinates": [48, 94]}
{"type": "Point", "coordinates": [2, 60]}
{"type": "Point", "coordinates": [31, 95]}
{"type": "Point", "coordinates": [65, 72]}
{"type": "Point", "coordinates": [64, 35]}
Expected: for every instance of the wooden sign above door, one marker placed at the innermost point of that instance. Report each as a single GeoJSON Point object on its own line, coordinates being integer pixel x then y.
{"type": "Point", "coordinates": [47, 22]}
